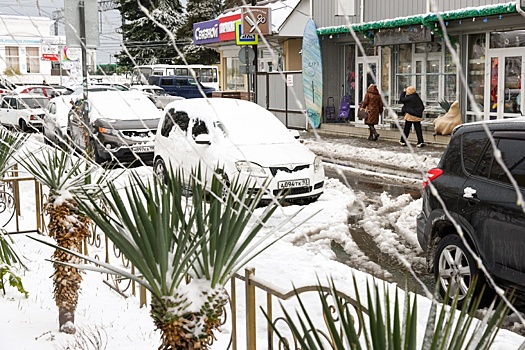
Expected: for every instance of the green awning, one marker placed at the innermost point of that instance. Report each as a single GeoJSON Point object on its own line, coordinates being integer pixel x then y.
{"type": "Point", "coordinates": [428, 19]}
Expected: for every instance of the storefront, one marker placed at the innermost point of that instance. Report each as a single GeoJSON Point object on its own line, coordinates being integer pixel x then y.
{"type": "Point", "coordinates": [488, 42]}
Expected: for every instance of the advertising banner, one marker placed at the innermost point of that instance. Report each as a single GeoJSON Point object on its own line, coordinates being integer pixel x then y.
{"type": "Point", "coordinates": [206, 32]}
{"type": "Point", "coordinates": [227, 27]}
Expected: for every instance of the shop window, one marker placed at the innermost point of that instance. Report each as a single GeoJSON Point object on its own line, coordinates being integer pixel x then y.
{"type": "Point", "coordinates": [33, 60]}
{"type": "Point", "coordinates": [234, 78]}
{"type": "Point", "coordinates": [350, 73]}
{"type": "Point", "coordinates": [403, 73]}
{"type": "Point", "coordinates": [451, 71]}
{"type": "Point", "coordinates": [385, 71]}
{"type": "Point", "coordinates": [369, 49]}
{"type": "Point", "coordinates": [476, 71]}
{"type": "Point", "coordinates": [514, 38]}
{"type": "Point", "coordinates": [12, 58]}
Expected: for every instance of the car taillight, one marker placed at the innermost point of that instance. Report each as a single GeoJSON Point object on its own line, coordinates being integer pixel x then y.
{"type": "Point", "coordinates": [432, 174]}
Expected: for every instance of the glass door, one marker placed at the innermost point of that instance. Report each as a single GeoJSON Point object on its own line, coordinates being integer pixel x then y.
{"type": "Point", "coordinates": [429, 81]}
{"type": "Point", "coordinates": [505, 95]}
{"type": "Point", "coordinates": [366, 73]}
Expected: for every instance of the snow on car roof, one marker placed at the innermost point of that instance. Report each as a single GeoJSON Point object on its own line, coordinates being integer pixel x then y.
{"type": "Point", "coordinates": [246, 122]}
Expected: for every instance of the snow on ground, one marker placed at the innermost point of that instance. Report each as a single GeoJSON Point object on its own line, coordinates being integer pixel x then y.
{"type": "Point", "coordinates": [302, 258]}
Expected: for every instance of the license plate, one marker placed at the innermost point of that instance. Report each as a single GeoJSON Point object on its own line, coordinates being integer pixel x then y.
{"type": "Point", "coordinates": [142, 149]}
{"type": "Point", "coordinates": [293, 183]}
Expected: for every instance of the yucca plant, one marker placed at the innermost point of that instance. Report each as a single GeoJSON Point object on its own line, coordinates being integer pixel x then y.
{"type": "Point", "coordinates": [68, 179]}
{"type": "Point", "coordinates": [8, 260]}
{"type": "Point", "coordinates": [395, 329]}
{"type": "Point", "coordinates": [185, 248]}
{"type": "Point", "coordinates": [10, 144]}
{"type": "Point", "coordinates": [445, 105]}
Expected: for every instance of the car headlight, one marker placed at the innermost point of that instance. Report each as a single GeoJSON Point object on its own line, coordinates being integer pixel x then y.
{"type": "Point", "coordinates": [251, 168]}
{"type": "Point", "coordinates": [107, 131]}
{"type": "Point", "coordinates": [318, 163]}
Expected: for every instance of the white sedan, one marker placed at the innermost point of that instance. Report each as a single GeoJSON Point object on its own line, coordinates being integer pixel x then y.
{"type": "Point", "coordinates": [241, 139]}
{"type": "Point", "coordinates": [158, 95]}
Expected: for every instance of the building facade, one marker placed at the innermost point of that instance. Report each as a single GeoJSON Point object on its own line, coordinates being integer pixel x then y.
{"type": "Point", "coordinates": [472, 52]}
{"type": "Point", "coordinates": [469, 51]}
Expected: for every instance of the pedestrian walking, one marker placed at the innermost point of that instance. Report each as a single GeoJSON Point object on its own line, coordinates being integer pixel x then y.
{"type": "Point", "coordinates": [413, 108]}
{"type": "Point", "coordinates": [373, 104]}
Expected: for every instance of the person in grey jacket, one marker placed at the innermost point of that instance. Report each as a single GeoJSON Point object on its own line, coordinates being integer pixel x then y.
{"type": "Point", "coordinates": [413, 108]}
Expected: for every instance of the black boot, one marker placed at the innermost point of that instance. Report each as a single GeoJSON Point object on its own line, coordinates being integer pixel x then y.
{"type": "Point", "coordinates": [375, 135]}
{"type": "Point", "coordinates": [371, 137]}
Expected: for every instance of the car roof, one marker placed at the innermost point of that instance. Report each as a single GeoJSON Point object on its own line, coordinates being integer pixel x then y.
{"type": "Point", "coordinates": [23, 87]}
{"type": "Point", "coordinates": [140, 87]}
{"type": "Point", "coordinates": [493, 125]}
{"type": "Point", "coordinates": [25, 95]}
{"type": "Point", "coordinates": [219, 108]}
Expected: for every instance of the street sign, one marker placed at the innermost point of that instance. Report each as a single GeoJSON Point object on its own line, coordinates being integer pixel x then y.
{"type": "Point", "coordinates": [244, 39]}
{"type": "Point", "coordinates": [72, 18]}
{"type": "Point", "coordinates": [246, 55]}
{"type": "Point", "coordinates": [247, 69]}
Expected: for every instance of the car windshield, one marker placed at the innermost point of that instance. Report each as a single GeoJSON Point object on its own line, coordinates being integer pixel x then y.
{"type": "Point", "coordinates": [33, 102]}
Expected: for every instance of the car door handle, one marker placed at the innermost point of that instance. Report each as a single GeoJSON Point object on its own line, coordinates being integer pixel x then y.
{"type": "Point", "coordinates": [473, 201]}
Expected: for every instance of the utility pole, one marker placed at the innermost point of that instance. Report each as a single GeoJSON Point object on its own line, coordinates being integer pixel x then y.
{"type": "Point", "coordinates": [255, 63]}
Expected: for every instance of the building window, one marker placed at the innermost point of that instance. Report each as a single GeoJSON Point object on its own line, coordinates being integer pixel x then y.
{"type": "Point", "coordinates": [12, 59]}
{"type": "Point", "coordinates": [33, 60]}
{"type": "Point", "coordinates": [476, 73]}
{"type": "Point", "coordinates": [350, 72]}
{"type": "Point", "coordinates": [385, 72]}
{"type": "Point", "coordinates": [403, 76]}
{"type": "Point", "coordinates": [514, 38]}
{"type": "Point", "coordinates": [451, 72]}
{"type": "Point", "coordinates": [234, 78]}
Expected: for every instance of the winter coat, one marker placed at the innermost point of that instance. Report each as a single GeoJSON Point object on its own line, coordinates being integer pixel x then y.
{"type": "Point", "coordinates": [373, 103]}
{"type": "Point", "coordinates": [413, 106]}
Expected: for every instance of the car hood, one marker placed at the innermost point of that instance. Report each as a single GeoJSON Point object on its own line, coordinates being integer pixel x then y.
{"type": "Point", "coordinates": [273, 154]}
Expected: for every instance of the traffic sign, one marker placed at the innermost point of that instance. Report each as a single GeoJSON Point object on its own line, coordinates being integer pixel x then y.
{"type": "Point", "coordinates": [246, 55]}
{"type": "Point", "coordinates": [247, 69]}
{"type": "Point", "coordinates": [244, 39]}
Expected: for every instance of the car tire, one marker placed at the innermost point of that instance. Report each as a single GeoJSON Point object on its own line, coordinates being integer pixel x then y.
{"type": "Point", "coordinates": [160, 171]}
{"type": "Point", "coordinates": [23, 125]}
{"type": "Point", "coordinates": [456, 269]}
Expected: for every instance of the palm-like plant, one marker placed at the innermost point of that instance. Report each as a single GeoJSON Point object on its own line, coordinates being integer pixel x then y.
{"type": "Point", "coordinates": [394, 329]}
{"type": "Point", "coordinates": [68, 179]}
{"type": "Point", "coordinates": [186, 249]}
{"type": "Point", "coordinates": [10, 143]}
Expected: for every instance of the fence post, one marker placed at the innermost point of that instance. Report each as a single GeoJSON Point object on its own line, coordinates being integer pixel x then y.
{"type": "Point", "coordinates": [251, 327]}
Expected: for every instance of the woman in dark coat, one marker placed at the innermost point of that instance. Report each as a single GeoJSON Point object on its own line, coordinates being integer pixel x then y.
{"type": "Point", "coordinates": [413, 108]}
{"type": "Point", "coordinates": [374, 105]}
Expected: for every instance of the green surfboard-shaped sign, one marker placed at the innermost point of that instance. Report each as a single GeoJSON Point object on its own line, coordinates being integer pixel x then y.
{"type": "Point", "coordinates": [312, 74]}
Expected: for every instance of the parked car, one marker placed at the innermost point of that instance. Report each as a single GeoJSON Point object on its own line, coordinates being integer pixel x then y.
{"type": "Point", "coordinates": [117, 86]}
{"type": "Point", "coordinates": [45, 90]}
{"type": "Point", "coordinates": [121, 125]}
{"type": "Point", "coordinates": [478, 198]}
{"type": "Point", "coordinates": [157, 94]}
{"type": "Point", "coordinates": [63, 90]}
{"type": "Point", "coordinates": [179, 85]}
{"type": "Point", "coordinates": [55, 120]}
{"type": "Point", "coordinates": [25, 111]}
{"type": "Point", "coordinates": [241, 139]}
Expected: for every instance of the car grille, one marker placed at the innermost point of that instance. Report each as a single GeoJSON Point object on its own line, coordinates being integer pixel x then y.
{"type": "Point", "coordinates": [274, 170]}
{"type": "Point", "coordinates": [138, 133]}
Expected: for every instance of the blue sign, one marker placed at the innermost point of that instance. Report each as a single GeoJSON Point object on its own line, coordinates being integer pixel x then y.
{"type": "Point", "coordinates": [206, 32]}
{"type": "Point", "coordinates": [244, 39]}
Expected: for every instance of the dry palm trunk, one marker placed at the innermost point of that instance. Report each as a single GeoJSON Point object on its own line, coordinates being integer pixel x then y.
{"type": "Point", "coordinates": [69, 228]}
{"type": "Point", "coordinates": [193, 330]}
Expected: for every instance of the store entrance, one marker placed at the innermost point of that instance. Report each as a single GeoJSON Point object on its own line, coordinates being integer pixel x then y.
{"type": "Point", "coordinates": [505, 93]}
{"type": "Point", "coordinates": [365, 76]}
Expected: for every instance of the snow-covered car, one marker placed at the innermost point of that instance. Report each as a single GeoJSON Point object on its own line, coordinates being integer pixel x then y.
{"type": "Point", "coordinates": [25, 111]}
{"type": "Point", "coordinates": [157, 94]}
{"type": "Point", "coordinates": [121, 126]}
{"type": "Point", "coordinates": [243, 141]}
{"type": "Point", "coordinates": [55, 120]}
{"type": "Point", "coordinates": [45, 90]}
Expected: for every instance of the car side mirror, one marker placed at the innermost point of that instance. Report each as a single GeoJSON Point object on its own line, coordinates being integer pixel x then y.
{"type": "Point", "coordinates": [203, 139]}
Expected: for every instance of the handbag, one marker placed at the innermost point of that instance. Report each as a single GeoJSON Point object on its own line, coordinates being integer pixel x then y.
{"type": "Point", "coordinates": [362, 113]}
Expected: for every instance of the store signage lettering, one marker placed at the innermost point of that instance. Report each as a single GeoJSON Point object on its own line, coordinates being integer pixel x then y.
{"type": "Point", "coordinates": [206, 32]}
{"type": "Point", "coordinates": [227, 27]}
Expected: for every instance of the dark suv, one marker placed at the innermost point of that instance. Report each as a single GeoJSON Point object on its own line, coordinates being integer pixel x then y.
{"type": "Point", "coordinates": [477, 197]}
{"type": "Point", "coordinates": [179, 85]}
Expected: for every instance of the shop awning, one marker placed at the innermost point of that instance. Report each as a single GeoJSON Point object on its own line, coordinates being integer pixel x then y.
{"type": "Point", "coordinates": [428, 19]}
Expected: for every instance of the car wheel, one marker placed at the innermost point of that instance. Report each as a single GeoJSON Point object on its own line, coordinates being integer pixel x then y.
{"type": "Point", "coordinates": [159, 169]}
{"type": "Point", "coordinates": [456, 271]}
{"type": "Point", "coordinates": [23, 125]}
